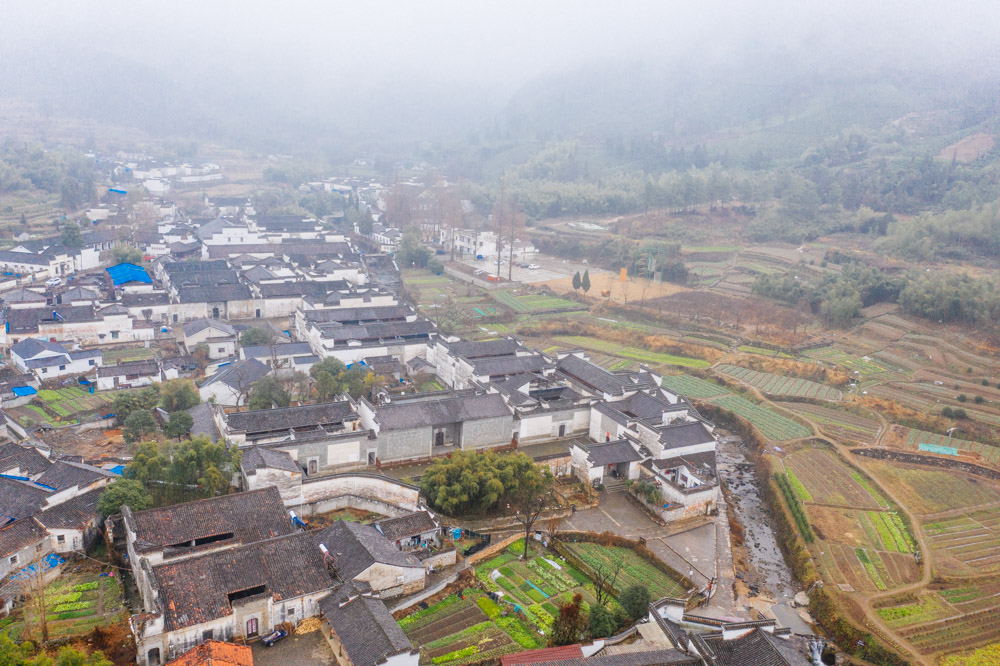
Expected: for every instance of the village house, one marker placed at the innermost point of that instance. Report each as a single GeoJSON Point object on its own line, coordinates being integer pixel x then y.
{"type": "Point", "coordinates": [544, 407]}
{"type": "Point", "coordinates": [410, 531]}
{"type": "Point", "coordinates": [424, 425]}
{"type": "Point", "coordinates": [230, 385]}
{"type": "Point", "coordinates": [219, 337]}
{"type": "Point", "coordinates": [128, 374]}
{"type": "Point", "coordinates": [49, 360]}
{"type": "Point", "coordinates": [362, 632]}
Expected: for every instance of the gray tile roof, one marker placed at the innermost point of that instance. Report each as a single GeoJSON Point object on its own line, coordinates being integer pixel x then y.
{"type": "Point", "coordinates": [279, 350]}
{"type": "Point", "coordinates": [407, 525]}
{"type": "Point", "coordinates": [75, 513]}
{"type": "Point", "coordinates": [62, 475]}
{"type": "Point", "coordinates": [204, 421]}
{"type": "Point", "coordinates": [214, 293]}
{"type": "Point", "coordinates": [358, 546]}
{"type": "Point", "coordinates": [642, 658]}
{"type": "Point", "coordinates": [305, 416]}
{"type": "Point", "coordinates": [239, 374]}
{"type": "Point", "coordinates": [18, 534]}
{"type": "Point", "coordinates": [470, 350]}
{"type": "Point", "coordinates": [257, 457]}
{"type": "Point", "coordinates": [30, 347]}
{"type": "Point", "coordinates": [751, 649]}
{"type": "Point", "coordinates": [146, 368]}
{"type": "Point", "coordinates": [364, 627]}
{"type": "Point", "coordinates": [401, 416]}
{"type": "Point", "coordinates": [198, 325]}
{"type": "Point", "coordinates": [27, 459]}
{"type": "Point", "coordinates": [381, 331]}
{"type": "Point", "coordinates": [249, 516]}
{"type": "Point", "coordinates": [679, 435]}
{"type": "Point", "coordinates": [591, 375]}
{"type": "Point", "coordinates": [612, 453]}
{"type": "Point", "coordinates": [196, 590]}
{"type": "Point", "coordinates": [358, 314]}
{"type": "Point", "coordinates": [20, 499]}
{"type": "Point", "coordinates": [494, 366]}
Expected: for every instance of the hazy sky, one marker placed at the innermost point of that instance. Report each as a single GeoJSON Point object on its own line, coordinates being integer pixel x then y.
{"type": "Point", "coordinates": [502, 44]}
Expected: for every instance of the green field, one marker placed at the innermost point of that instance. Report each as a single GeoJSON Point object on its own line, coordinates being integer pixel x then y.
{"type": "Point", "coordinates": [779, 384]}
{"type": "Point", "coordinates": [115, 356]}
{"type": "Point", "coordinates": [635, 571]}
{"type": "Point", "coordinates": [534, 303]}
{"type": "Point", "coordinates": [693, 387]}
{"type": "Point", "coordinates": [75, 605]}
{"type": "Point", "coordinates": [634, 353]}
{"type": "Point", "coordinates": [850, 363]}
{"type": "Point", "coordinates": [770, 424]}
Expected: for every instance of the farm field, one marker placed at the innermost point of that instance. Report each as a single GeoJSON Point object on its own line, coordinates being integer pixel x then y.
{"type": "Point", "coordinates": [637, 570]}
{"type": "Point", "coordinates": [634, 353]}
{"type": "Point", "coordinates": [779, 384]}
{"type": "Point", "coordinates": [863, 569]}
{"type": "Point", "coordinates": [911, 438]}
{"type": "Point", "coordinates": [61, 406]}
{"type": "Point", "coordinates": [115, 356]}
{"type": "Point", "coordinates": [968, 544]}
{"type": "Point", "coordinates": [535, 303]}
{"type": "Point", "coordinates": [476, 628]}
{"type": "Point", "coordinates": [927, 491]}
{"type": "Point", "coordinates": [76, 603]}
{"type": "Point", "coordinates": [693, 387]}
{"type": "Point", "coordinates": [831, 481]}
{"type": "Point", "coordinates": [837, 423]}
{"type": "Point", "coordinates": [864, 367]}
{"type": "Point", "coordinates": [771, 424]}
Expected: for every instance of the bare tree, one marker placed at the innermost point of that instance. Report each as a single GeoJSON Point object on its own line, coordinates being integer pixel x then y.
{"type": "Point", "coordinates": [526, 511]}
{"type": "Point", "coordinates": [605, 576]}
{"type": "Point", "coordinates": [498, 219]}
{"type": "Point", "coordinates": [33, 591]}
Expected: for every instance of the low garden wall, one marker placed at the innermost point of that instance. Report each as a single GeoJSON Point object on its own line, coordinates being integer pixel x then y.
{"type": "Point", "coordinates": [932, 461]}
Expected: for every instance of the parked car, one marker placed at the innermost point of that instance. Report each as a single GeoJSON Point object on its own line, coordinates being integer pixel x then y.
{"type": "Point", "coordinates": [533, 267]}
{"type": "Point", "coordinates": [53, 282]}
{"type": "Point", "coordinates": [274, 637]}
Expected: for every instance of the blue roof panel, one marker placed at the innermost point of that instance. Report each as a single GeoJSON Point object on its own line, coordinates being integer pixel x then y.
{"type": "Point", "coordinates": [123, 273]}
{"type": "Point", "coordinates": [21, 391]}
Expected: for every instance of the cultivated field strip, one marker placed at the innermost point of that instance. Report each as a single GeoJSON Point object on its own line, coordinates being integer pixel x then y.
{"type": "Point", "coordinates": [972, 540]}
{"type": "Point", "coordinates": [831, 482]}
{"type": "Point", "coordinates": [771, 424]}
{"type": "Point", "coordinates": [837, 423]}
{"type": "Point", "coordinates": [693, 387]}
{"type": "Point", "coordinates": [775, 384]}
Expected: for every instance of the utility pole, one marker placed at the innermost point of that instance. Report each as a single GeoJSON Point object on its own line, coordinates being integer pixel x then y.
{"type": "Point", "coordinates": [500, 216]}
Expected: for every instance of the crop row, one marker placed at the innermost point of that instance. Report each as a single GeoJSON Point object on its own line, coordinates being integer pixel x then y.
{"type": "Point", "coordinates": [891, 531]}
{"type": "Point", "coordinates": [773, 426]}
{"type": "Point", "coordinates": [874, 567]}
{"type": "Point", "coordinates": [779, 384]}
{"type": "Point", "coordinates": [693, 387]}
{"type": "Point", "coordinates": [795, 507]}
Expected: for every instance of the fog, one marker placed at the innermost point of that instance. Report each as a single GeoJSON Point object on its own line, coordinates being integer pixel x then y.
{"type": "Point", "coordinates": [415, 69]}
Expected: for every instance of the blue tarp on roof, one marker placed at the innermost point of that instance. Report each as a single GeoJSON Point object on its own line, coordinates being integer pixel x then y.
{"type": "Point", "coordinates": [50, 561]}
{"type": "Point", "coordinates": [123, 273]}
{"type": "Point", "coordinates": [21, 391]}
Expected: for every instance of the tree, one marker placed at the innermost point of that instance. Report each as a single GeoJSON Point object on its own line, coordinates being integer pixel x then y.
{"type": "Point", "coordinates": [24, 221]}
{"type": "Point", "coordinates": [435, 266]}
{"type": "Point", "coordinates": [602, 621]}
{"type": "Point", "coordinates": [635, 601]}
{"type": "Point", "coordinates": [412, 251]}
{"type": "Point", "coordinates": [577, 282]}
{"type": "Point", "coordinates": [125, 254]}
{"type": "Point", "coordinates": [138, 424]}
{"type": "Point", "coordinates": [605, 575]}
{"type": "Point", "coordinates": [190, 469]}
{"type": "Point", "coordinates": [475, 483]}
{"type": "Point", "coordinates": [123, 492]}
{"type": "Point", "coordinates": [268, 393]}
{"type": "Point", "coordinates": [126, 402]}
{"type": "Point", "coordinates": [585, 281]}
{"type": "Point", "coordinates": [327, 386]}
{"type": "Point", "coordinates": [569, 627]}
{"type": "Point", "coordinates": [178, 395]}
{"type": "Point", "coordinates": [178, 425]}
{"type": "Point", "coordinates": [256, 336]}
{"type": "Point", "coordinates": [529, 501]}
{"type": "Point", "coordinates": [71, 236]}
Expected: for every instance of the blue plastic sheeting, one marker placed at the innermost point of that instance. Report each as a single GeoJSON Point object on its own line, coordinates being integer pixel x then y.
{"type": "Point", "coordinates": [937, 448]}
{"type": "Point", "coordinates": [117, 469]}
{"type": "Point", "coordinates": [21, 391]}
{"type": "Point", "coordinates": [50, 561]}
{"type": "Point", "coordinates": [123, 273]}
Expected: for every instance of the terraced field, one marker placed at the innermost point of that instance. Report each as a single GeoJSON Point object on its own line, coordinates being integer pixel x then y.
{"type": "Point", "coordinates": [929, 491]}
{"type": "Point", "coordinates": [865, 367]}
{"type": "Point", "coordinates": [693, 387]}
{"type": "Point", "coordinates": [635, 353]}
{"type": "Point", "coordinates": [770, 424]}
{"type": "Point", "coordinates": [830, 481]}
{"type": "Point", "coordinates": [967, 544]}
{"type": "Point", "coordinates": [636, 570]}
{"type": "Point", "coordinates": [780, 385]}
{"type": "Point", "coordinates": [837, 423]}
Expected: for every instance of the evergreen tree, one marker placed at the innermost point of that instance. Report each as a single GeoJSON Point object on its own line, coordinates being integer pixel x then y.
{"type": "Point", "coordinates": [585, 282]}
{"type": "Point", "coordinates": [577, 283]}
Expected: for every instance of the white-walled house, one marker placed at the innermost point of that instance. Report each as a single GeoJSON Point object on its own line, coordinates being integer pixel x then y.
{"type": "Point", "coordinates": [49, 360]}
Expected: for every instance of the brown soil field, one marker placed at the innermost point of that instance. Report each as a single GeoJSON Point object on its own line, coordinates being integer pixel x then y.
{"type": "Point", "coordinates": [635, 289]}
{"type": "Point", "coordinates": [926, 491]}
{"type": "Point", "coordinates": [836, 525]}
{"type": "Point", "coordinates": [969, 149]}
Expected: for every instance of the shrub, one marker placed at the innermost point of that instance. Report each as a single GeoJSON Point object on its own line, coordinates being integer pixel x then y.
{"type": "Point", "coordinates": [947, 412]}
{"type": "Point", "coordinates": [960, 413]}
{"type": "Point", "coordinates": [602, 622]}
{"type": "Point", "coordinates": [961, 397]}
{"type": "Point", "coordinates": [795, 507]}
{"type": "Point", "coordinates": [978, 400]}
